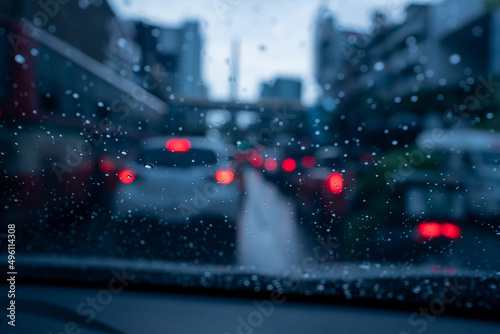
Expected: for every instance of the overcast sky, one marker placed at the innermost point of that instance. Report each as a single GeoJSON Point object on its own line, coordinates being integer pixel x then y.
{"type": "Point", "coordinates": [276, 36]}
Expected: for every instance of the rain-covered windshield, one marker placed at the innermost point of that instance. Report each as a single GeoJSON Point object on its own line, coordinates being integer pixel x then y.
{"type": "Point", "coordinates": [349, 147]}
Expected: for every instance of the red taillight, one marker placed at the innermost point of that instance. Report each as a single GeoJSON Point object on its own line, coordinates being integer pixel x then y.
{"type": "Point", "coordinates": [289, 165]}
{"type": "Point", "coordinates": [106, 165]}
{"type": "Point", "coordinates": [308, 161]}
{"type": "Point", "coordinates": [429, 230]}
{"type": "Point", "coordinates": [335, 183]}
{"type": "Point", "coordinates": [178, 145]}
{"type": "Point", "coordinates": [270, 164]}
{"type": "Point", "coordinates": [256, 160]}
{"type": "Point", "coordinates": [451, 231]}
{"type": "Point", "coordinates": [126, 176]}
{"type": "Point", "coordinates": [434, 230]}
{"type": "Point", "coordinates": [224, 176]}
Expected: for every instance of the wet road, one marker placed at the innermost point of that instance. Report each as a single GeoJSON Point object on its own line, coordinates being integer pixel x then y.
{"type": "Point", "coordinates": [269, 237]}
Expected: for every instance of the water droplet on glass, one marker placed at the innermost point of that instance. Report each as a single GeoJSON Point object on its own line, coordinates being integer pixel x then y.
{"type": "Point", "coordinates": [379, 66]}
{"type": "Point", "coordinates": [148, 165]}
{"type": "Point", "coordinates": [455, 59]}
{"type": "Point", "coordinates": [19, 59]}
{"type": "Point", "coordinates": [477, 31]}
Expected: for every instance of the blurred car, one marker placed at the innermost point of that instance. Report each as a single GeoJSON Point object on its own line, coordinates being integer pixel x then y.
{"type": "Point", "coordinates": [473, 157]}
{"type": "Point", "coordinates": [178, 179]}
{"type": "Point", "coordinates": [272, 160]}
{"type": "Point", "coordinates": [320, 188]}
{"type": "Point", "coordinates": [282, 166]}
{"type": "Point", "coordinates": [420, 217]}
{"type": "Point", "coordinates": [424, 219]}
{"type": "Point", "coordinates": [181, 183]}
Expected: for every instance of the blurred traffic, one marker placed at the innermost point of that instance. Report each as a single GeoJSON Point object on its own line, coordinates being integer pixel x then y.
{"type": "Point", "coordinates": [117, 140]}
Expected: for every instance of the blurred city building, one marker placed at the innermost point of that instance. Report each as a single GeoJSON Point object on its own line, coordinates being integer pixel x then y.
{"type": "Point", "coordinates": [333, 54]}
{"type": "Point", "coordinates": [83, 24]}
{"type": "Point", "coordinates": [422, 66]}
{"type": "Point", "coordinates": [136, 50]}
{"type": "Point", "coordinates": [178, 51]}
{"type": "Point", "coordinates": [58, 76]}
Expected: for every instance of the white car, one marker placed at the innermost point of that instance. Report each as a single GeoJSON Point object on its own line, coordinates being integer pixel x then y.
{"type": "Point", "coordinates": [177, 180]}
{"type": "Point", "coordinates": [472, 158]}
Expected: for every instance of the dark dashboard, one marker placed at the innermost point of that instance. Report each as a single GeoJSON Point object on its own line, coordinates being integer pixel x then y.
{"type": "Point", "coordinates": [74, 310]}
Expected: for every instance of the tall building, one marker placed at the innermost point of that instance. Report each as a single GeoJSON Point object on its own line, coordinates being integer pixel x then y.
{"type": "Point", "coordinates": [337, 53]}
{"type": "Point", "coordinates": [443, 49]}
{"type": "Point", "coordinates": [435, 46]}
{"type": "Point", "coordinates": [178, 51]}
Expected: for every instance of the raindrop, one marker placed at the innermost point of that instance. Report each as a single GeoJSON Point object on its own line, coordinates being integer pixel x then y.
{"type": "Point", "coordinates": [329, 104]}
{"type": "Point", "coordinates": [124, 152]}
{"type": "Point", "coordinates": [455, 59]}
{"type": "Point", "coordinates": [20, 59]}
{"type": "Point", "coordinates": [148, 165]}
{"type": "Point", "coordinates": [477, 31]}
{"type": "Point", "coordinates": [121, 43]}
{"type": "Point", "coordinates": [379, 66]}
